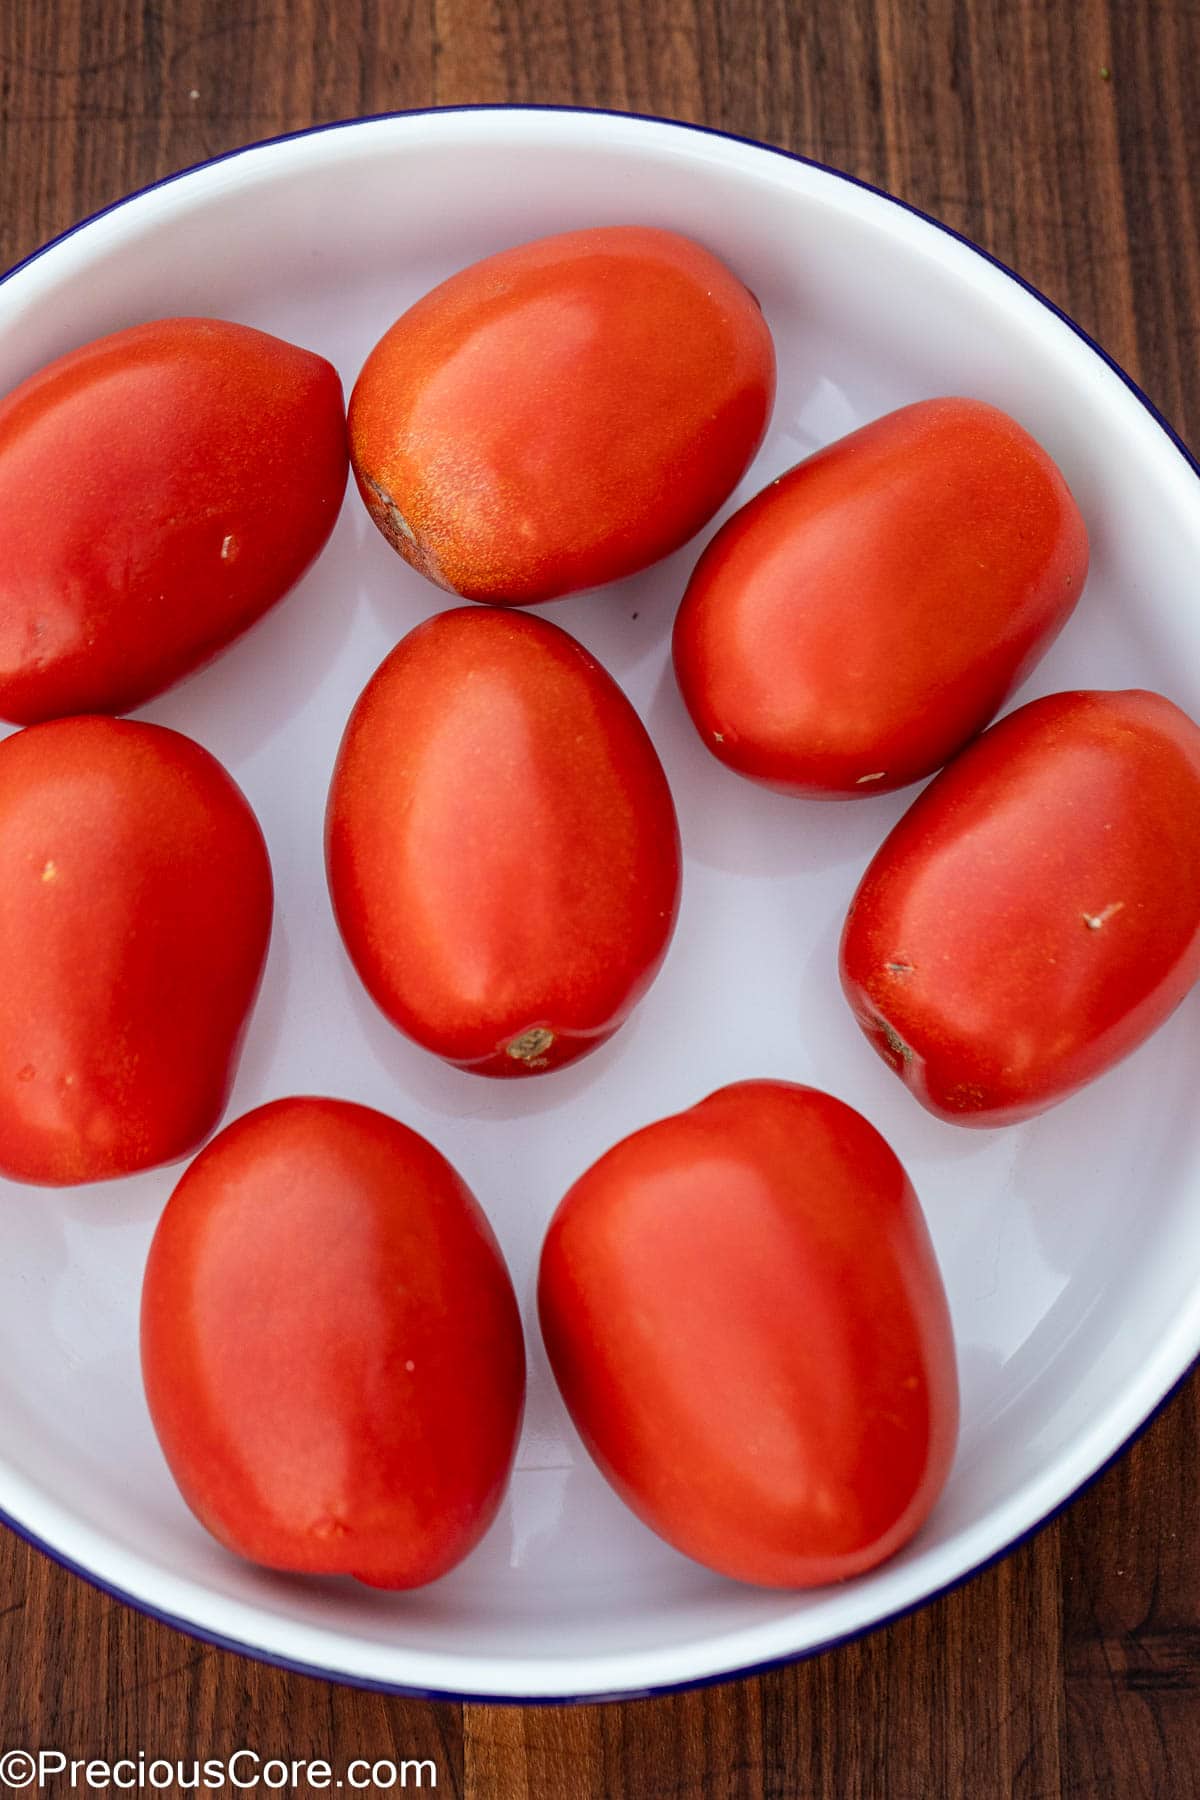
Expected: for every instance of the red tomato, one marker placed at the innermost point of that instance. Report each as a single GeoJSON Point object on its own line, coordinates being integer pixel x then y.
{"type": "Point", "coordinates": [562, 414]}
{"type": "Point", "coordinates": [1036, 913]}
{"type": "Point", "coordinates": [502, 848]}
{"type": "Point", "coordinates": [159, 490]}
{"type": "Point", "coordinates": [135, 909]}
{"type": "Point", "coordinates": [744, 1313]}
{"type": "Point", "coordinates": [331, 1346]}
{"type": "Point", "coordinates": [866, 614]}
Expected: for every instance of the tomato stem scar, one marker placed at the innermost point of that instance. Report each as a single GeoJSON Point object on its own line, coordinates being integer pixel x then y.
{"type": "Point", "coordinates": [396, 525]}
{"type": "Point", "coordinates": [530, 1048]}
{"type": "Point", "coordinates": [1094, 921]}
{"type": "Point", "coordinates": [894, 1041]}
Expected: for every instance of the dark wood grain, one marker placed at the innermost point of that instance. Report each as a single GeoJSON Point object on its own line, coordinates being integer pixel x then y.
{"type": "Point", "coordinates": [1064, 138]}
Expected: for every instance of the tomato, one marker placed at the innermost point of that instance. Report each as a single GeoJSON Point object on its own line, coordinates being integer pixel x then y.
{"type": "Point", "coordinates": [745, 1317]}
{"type": "Point", "coordinates": [1036, 913]}
{"type": "Point", "coordinates": [159, 490]}
{"type": "Point", "coordinates": [135, 909]}
{"type": "Point", "coordinates": [852, 626]}
{"type": "Point", "coordinates": [562, 414]}
{"type": "Point", "coordinates": [502, 847]}
{"type": "Point", "coordinates": [331, 1346]}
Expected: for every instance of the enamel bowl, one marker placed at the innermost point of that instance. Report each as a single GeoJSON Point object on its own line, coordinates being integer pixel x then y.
{"type": "Point", "coordinates": [1070, 1246]}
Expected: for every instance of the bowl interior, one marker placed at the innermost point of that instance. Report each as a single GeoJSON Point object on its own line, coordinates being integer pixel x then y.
{"type": "Point", "coordinates": [1070, 1246]}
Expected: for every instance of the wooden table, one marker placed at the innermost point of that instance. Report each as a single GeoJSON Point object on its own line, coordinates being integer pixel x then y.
{"type": "Point", "coordinates": [1064, 135]}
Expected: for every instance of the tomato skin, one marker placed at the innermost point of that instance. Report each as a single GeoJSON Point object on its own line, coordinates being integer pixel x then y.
{"type": "Point", "coordinates": [135, 911]}
{"type": "Point", "coordinates": [745, 1317]}
{"type": "Point", "coordinates": [1035, 914]}
{"type": "Point", "coordinates": [331, 1346]}
{"type": "Point", "coordinates": [852, 626]}
{"type": "Point", "coordinates": [563, 413]}
{"type": "Point", "coordinates": [160, 489]}
{"type": "Point", "coordinates": [501, 844]}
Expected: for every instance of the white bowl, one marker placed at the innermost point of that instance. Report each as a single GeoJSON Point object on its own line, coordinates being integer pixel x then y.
{"type": "Point", "coordinates": [1070, 1246]}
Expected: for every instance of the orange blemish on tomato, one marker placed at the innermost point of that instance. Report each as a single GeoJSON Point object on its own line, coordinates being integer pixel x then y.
{"type": "Point", "coordinates": [330, 1528]}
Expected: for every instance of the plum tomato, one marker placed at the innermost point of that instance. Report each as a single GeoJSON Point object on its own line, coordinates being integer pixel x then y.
{"type": "Point", "coordinates": [563, 413]}
{"type": "Point", "coordinates": [501, 843]}
{"type": "Point", "coordinates": [1036, 913]}
{"type": "Point", "coordinates": [746, 1320]}
{"type": "Point", "coordinates": [135, 910]}
{"type": "Point", "coordinates": [852, 626]}
{"type": "Point", "coordinates": [160, 488]}
{"type": "Point", "coordinates": [331, 1347]}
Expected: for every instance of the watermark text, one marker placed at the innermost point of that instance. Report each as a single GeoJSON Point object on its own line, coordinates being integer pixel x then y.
{"type": "Point", "coordinates": [242, 1771]}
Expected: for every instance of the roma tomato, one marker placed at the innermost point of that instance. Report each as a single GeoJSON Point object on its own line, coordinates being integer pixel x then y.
{"type": "Point", "coordinates": [501, 843]}
{"type": "Point", "coordinates": [159, 490]}
{"type": "Point", "coordinates": [745, 1317]}
{"type": "Point", "coordinates": [563, 413]}
{"type": "Point", "coordinates": [854, 624]}
{"type": "Point", "coordinates": [135, 909]}
{"type": "Point", "coordinates": [1036, 913]}
{"type": "Point", "coordinates": [331, 1346]}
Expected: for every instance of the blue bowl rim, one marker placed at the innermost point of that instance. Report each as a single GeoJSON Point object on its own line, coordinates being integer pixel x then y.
{"type": "Point", "coordinates": [287, 1664]}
